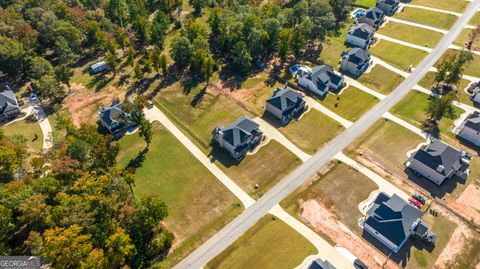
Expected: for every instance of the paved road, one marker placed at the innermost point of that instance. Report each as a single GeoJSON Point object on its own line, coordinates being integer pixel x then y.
{"type": "Point", "coordinates": [233, 230]}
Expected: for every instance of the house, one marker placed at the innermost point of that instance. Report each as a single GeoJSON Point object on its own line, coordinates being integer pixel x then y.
{"type": "Point", "coordinates": [285, 104]}
{"type": "Point", "coordinates": [322, 79]}
{"type": "Point", "coordinates": [319, 264]}
{"type": "Point", "coordinates": [98, 67]}
{"type": "Point", "coordinates": [300, 70]}
{"type": "Point", "coordinates": [476, 95]}
{"type": "Point", "coordinates": [240, 137]}
{"type": "Point", "coordinates": [355, 61]}
{"type": "Point", "coordinates": [9, 107]}
{"type": "Point", "coordinates": [438, 161]}
{"type": "Point", "coordinates": [470, 129]}
{"type": "Point", "coordinates": [373, 17]}
{"type": "Point", "coordinates": [391, 220]}
{"type": "Point", "coordinates": [389, 7]}
{"type": "Point", "coordinates": [114, 119]}
{"type": "Point", "coordinates": [360, 35]}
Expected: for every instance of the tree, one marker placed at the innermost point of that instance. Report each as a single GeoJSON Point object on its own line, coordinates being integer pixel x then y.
{"type": "Point", "coordinates": [112, 62]}
{"type": "Point", "coordinates": [48, 87]}
{"type": "Point", "coordinates": [119, 248]}
{"type": "Point", "coordinates": [181, 51]}
{"type": "Point", "coordinates": [131, 56]}
{"type": "Point", "coordinates": [458, 66]}
{"type": "Point", "coordinates": [118, 11]}
{"type": "Point", "coordinates": [63, 73]}
{"type": "Point", "coordinates": [443, 69]}
{"type": "Point", "coordinates": [197, 5]}
{"type": "Point", "coordinates": [158, 28]}
{"type": "Point", "coordinates": [154, 58]}
{"type": "Point", "coordinates": [130, 180]}
{"type": "Point", "coordinates": [7, 228]}
{"type": "Point", "coordinates": [146, 131]}
{"type": "Point", "coordinates": [63, 51]}
{"type": "Point", "coordinates": [473, 37]}
{"type": "Point", "coordinates": [241, 58]}
{"type": "Point", "coordinates": [284, 43]}
{"type": "Point", "coordinates": [12, 54]}
{"type": "Point", "coordinates": [207, 68]}
{"type": "Point", "coordinates": [40, 67]}
{"type": "Point", "coordinates": [163, 65]}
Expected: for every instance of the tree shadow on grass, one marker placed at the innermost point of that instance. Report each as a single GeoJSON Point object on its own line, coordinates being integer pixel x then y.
{"type": "Point", "coordinates": [137, 162]}
{"type": "Point", "coordinates": [217, 153]}
{"type": "Point", "coordinates": [99, 82]}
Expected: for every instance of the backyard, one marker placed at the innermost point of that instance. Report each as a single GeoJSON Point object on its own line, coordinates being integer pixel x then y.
{"type": "Point", "coordinates": [390, 52]}
{"type": "Point", "coordinates": [427, 17]}
{"type": "Point", "coordinates": [381, 79]}
{"type": "Point", "coordinates": [333, 47]}
{"type": "Point", "coordinates": [411, 34]}
{"type": "Point", "coordinates": [366, 3]}
{"type": "Point", "coordinates": [269, 244]}
{"type": "Point", "coordinates": [451, 5]}
{"type": "Point", "coordinates": [29, 129]}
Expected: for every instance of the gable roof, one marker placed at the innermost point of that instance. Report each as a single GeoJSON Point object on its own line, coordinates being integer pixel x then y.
{"type": "Point", "coordinates": [439, 157]}
{"type": "Point", "coordinates": [8, 100]}
{"type": "Point", "coordinates": [392, 217]}
{"type": "Point", "coordinates": [388, 2]}
{"type": "Point", "coordinates": [374, 13]}
{"type": "Point", "coordinates": [112, 114]}
{"type": "Point", "coordinates": [99, 64]}
{"type": "Point", "coordinates": [323, 76]}
{"type": "Point", "coordinates": [283, 99]}
{"type": "Point", "coordinates": [473, 121]}
{"type": "Point", "coordinates": [236, 133]}
{"type": "Point", "coordinates": [361, 30]}
{"type": "Point", "coordinates": [357, 55]}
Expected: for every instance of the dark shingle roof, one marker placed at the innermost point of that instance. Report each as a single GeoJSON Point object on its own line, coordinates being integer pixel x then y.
{"type": "Point", "coordinates": [8, 100]}
{"type": "Point", "coordinates": [112, 114]}
{"type": "Point", "coordinates": [284, 99]}
{"type": "Point", "coordinates": [358, 55]}
{"type": "Point", "coordinates": [473, 121]}
{"type": "Point", "coordinates": [319, 264]}
{"type": "Point", "coordinates": [439, 157]}
{"type": "Point", "coordinates": [389, 2]}
{"type": "Point", "coordinates": [323, 76]}
{"type": "Point", "coordinates": [392, 217]}
{"type": "Point", "coordinates": [374, 13]}
{"type": "Point", "coordinates": [236, 133]}
{"type": "Point", "coordinates": [361, 30]}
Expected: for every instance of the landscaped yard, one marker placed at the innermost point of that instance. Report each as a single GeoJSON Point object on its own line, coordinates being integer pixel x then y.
{"type": "Point", "coordinates": [342, 188]}
{"type": "Point", "coordinates": [381, 79]}
{"type": "Point", "coordinates": [398, 55]}
{"type": "Point", "coordinates": [451, 5]}
{"type": "Point", "coordinates": [366, 3]}
{"type": "Point", "coordinates": [411, 34]}
{"type": "Point", "coordinates": [29, 129]}
{"type": "Point", "coordinates": [269, 244]}
{"type": "Point", "coordinates": [198, 203]}
{"type": "Point", "coordinates": [428, 17]}
{"type": "Point", "coordinates": [428, 81]}
{"type": "Point", "coordinates": [311, 132]}
{"type": "Point", "coordinates": [351, 103]}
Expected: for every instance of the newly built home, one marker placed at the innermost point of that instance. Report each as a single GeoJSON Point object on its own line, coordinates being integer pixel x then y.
{"type": "Point", "coordinates": [322, 79]}
{"type": "Point", "coordinates": [438, 161]}
{"type": "Point", "coordinates": [470, 129]}
{"type": "Point", "coordinates": [9, 107]}
{"type": "Point", "coordinates": [355, 61]}
{"type": "Point", "coordinates": [391, 220]}
{"type": "Point", "coordinates": [360, 35]}
{"type": "Point", "coordinates": [476, 95]}
{"type": "Point", "coordinates": [240, 137]}
{"type": "Point", "coordinates": [114, 119]}
{"type": "Point", "coordinates": [373, 17]}
{"type": "Point", "coordinates": [285, 104]}
{"type": "Point", "coordinates": [389, 7]}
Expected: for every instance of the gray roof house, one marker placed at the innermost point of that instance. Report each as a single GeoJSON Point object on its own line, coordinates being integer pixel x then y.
{"type": "Point", "coordinates": [240, 137]}
{"type": "Point", "coordinates": [373, 17]}
{"type": "Point", "coordinates": [355, 61]}
{"type": "Point", "coordinates": [438, 161]}
{"type": "Point", "coordinates": [319, 264]}
{"type": "Point", "coordinates": [476, 95]}
{"type": "Point", "coordinates": [98, 67]}
{"type": "Point", "coordinates": [391, 220]}
{"type": "Point", "coordinates": [470, 129]}
{"type": "Point", "coordinates": [114, 119]}
{"type": "Point", "coordinates": [389, 7]}
{"type": "Point", "coordinates": [285, 104]}
{"type": "Point", "coordinates": [9, 107]}
{"type": "Point", "coordinates": [322, 79]}
{"type": "Point", "coordinates": [360, 35]}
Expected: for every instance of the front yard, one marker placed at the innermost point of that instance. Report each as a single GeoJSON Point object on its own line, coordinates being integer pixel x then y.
{"type": "Point", "coordinates": [428, 81]}
{"type": "Point", "coordinates": [29, 129]}
{"type": "Point", "coordinates": [269, 244]}
{"type": "Point", "coordinates": [465, 37]}
{"type": "Point", "coordinates": [381, 79]}
{"type": "Point", "coordinates": [398, 55]}
{"type": "Point", "coordinates": [451, 5]}
{"type": "Point", "coordinates": [428, 17]}
{"type": "Point", "coordinates": [473, 69]}
{"type": "Point", "coordinates": [411, 34]}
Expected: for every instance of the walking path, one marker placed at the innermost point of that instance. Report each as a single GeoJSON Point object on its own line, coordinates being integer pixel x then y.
{"type": "Point", "coordinates": [417, 25]}
{"type": "Point", "coordinates": [34, 108]}
{"type": "Point", "coordinates": [455, 47]}
{"type": "Point", "coordinates": [316, 105]}
{"type": "Point", "coordinates": [433, 9]}
{"type": "Point", "coordinates": [364, 88]}
{"type": "Point", "coordinates": [394, 40]}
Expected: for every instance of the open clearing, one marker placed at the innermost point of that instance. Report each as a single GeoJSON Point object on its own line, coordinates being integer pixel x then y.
{"type": "Point", "coordinates": [381, 79]}
{"type": "Point", "coordinates": [411, 34]}
{"type": "Point", "coordinates": [451, 5]}
{"type": "Point", "coordinates": [390, 52]}
{"type": "Point", "coordinates": [366, 3]}
{"type": "Point", "coordinates": [29, 129]}
{"type": "Point", "coordinates": [333, 47]}
{"type": "Point", "coordinates": [427, 17]}
{"type": "Point", "coordinates": [198, 203]}
{"type": "Point", "coordinates": [269, 244]}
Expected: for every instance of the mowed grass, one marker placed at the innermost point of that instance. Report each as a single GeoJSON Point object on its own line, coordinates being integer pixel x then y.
{"type": "Point", "coordinates": [29, 129]}
{"type": "Point", "coordinates": [411, 34]}
{"type": "Point", "coordinates": [269, 244]}
{"type": "Point", "coordinates": [342, 188]}
{"type": "Point", "coordinates": [381, 79]}
{"type": "Point", "coordinates": [387, 141]}
{"type": "Point", "coordinates": [350, 104]}
{"type": "Point", "coordinates": [366, 3]}
{"type": "Point", "coordinates": [475, 20]}
{"type": "Point", "coordinates": [398, 55]}
{"type": "Point", "coordinates": [198, 203]}
{"type": "Point", "coordinates": [428, 81]}
{"type": "Point", "coordinates": [427, 17]}
{"type": "Point", "coordinates": [473, 68]}
{"type": "Point", "coordinates": [266, 167]}
{"type": "Point", "coordinates": [450, 5]}
{"type": "Point", "coordinates": [333, 47]}
{"type": "Point", "coordinates": [465, 37]}
{"type": "Point", "coordinates": [311, 132]}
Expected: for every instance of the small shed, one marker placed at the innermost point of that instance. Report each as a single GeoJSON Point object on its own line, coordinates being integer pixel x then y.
{"type": "Point", "coordinates": [98, 67]}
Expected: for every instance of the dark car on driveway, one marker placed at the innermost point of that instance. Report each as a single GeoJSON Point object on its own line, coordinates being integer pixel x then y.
{"type": "Point", "coordinates": [419, 198]}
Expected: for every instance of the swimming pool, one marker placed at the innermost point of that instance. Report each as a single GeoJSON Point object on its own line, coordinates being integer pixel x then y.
{"type": "Point", "coordinates": [358, 12]}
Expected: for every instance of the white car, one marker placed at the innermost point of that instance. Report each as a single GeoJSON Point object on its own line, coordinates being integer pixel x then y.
{"type": "Point", "coordinates": [300, 70]}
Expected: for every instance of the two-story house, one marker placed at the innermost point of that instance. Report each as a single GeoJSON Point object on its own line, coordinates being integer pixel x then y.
{"type": "Point", "coordinates": [322, 79]}
{"type": "Point", "coordinates": [373, 17]}
{"type": "Point", "coordinates": [360, 35]}
{"type": "Point", "coordinates": [355, 61]}
{"type": "Point", "coordinates": [114, 119]}
{"type": "Point", "coordinates": [9, 107]}
{"type": "Point", "coordinates": [285, 104]}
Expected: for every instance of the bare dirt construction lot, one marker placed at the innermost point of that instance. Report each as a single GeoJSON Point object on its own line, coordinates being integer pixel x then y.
{"type": "Point", "coordinates": [326, 222]}
{"type": "Point", "coordinates": [468, 204]}
{"type": "Point", "coordinates": [83, 104]}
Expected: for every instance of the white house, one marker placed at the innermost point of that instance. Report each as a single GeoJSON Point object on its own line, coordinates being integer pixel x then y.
{"type": "Point", "coordinates": [361, 35]}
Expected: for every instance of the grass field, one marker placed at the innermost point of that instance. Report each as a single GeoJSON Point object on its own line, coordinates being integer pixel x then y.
{"type": "Point", "coordinates": [351, 103]}
{"type": "Point", "coordinates": [473, 69]}
{"type": "Point", "coordinates": [342, 188]}
{"type": "Point", "coordinates": [390, 52]}
{"type": "Point", "coordinates": [29, 129]}
{"type": "Point", "coordinates": [366, 3]}
{"type": "Point", "coordinates": [312, 131]}
{"type": "Point", "coordinates": [333, 47]}
{"type": "Point", "coordinates": [414, 35]}
{"type": "Point", "coordinates": [428, 81]}
{"type": "Point", "coordinates": [427, 17]}
{"type": "Point", "coordinates": [198, 203]}
{"type": "Point", "coordinates": [269, 244]}
{"type": "Point", "coordinates": [475, 20]}
{"type": "Point", "coordinates": [381, 79]}
{"type": "Point", "coordinates": [451, 5]}
{"type": "Point", "coordinates": [465, 37]}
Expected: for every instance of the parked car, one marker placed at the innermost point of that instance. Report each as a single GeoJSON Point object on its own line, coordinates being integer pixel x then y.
{"type": "Point", "coordinates": [358, 264]}
{"type": "Point", "coordinates": [415, 202]}
{"type": "Point", "coordinates": [418, 197]}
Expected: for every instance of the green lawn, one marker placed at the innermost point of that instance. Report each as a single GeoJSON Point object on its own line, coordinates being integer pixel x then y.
{"type": "Point", "coordinates": [351, 103]}
{"type": "Point", "coordinates": [198, 203]}
{"type": "Point", "coordinates": [333, 47]}
{"type": "Point", "coordinates": [475, 20]}
{"type": "Point", "coordinates": [266, 167]}
{"type": "Point", "coordinates": [465, 37]}
{"type": "Point", "coordinates": [398, 55]}
{"type": "Point", "coordinates": [29, 129]}
{"type": "Point", "coordinates": [311, 132]}
{"type": "Point", "coordinates": [414, 35]}
{"type": "Point", "coordinates": [473, 69]}
{"type": "Point", "coordinates": [427, 17]}
{"type": "Point", "coordinates": [451, 5]}
{"type": "Point", "coordinates": [342, 188]}
{"type": "Point", "coordinates": [428, 81]}
{"type": "Point", "coordinates": [381, 79]}
{"type": "Point", "coordinates": [366, 3]}
{"type": "Point", "coordinates": [269, 244]}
